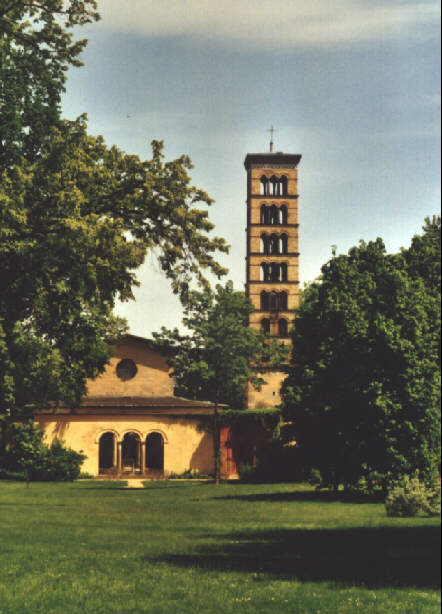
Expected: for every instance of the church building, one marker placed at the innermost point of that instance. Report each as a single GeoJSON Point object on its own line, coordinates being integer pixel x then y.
{"type": "Point", "coordinates": [130, 422]}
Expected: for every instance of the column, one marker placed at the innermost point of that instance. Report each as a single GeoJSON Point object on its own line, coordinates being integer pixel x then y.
{"type": "Point", "coordinates": [143, 457]}
{"type": "Point", "coordinates": [119, 457]}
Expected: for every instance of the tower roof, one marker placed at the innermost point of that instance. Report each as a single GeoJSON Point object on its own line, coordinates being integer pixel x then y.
{"type": "Point", "coordinates": [278, 157]}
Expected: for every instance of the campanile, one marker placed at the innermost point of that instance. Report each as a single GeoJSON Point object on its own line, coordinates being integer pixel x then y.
{"type": "Point", "coordinates": [272, 271]}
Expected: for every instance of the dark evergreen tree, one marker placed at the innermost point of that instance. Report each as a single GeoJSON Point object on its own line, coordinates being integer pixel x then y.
{"type": "Point", "coordinates": [363, 393]}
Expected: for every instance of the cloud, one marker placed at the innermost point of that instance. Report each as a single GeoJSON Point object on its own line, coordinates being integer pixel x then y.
{"type": "Point", "coordinates": [272, 23]}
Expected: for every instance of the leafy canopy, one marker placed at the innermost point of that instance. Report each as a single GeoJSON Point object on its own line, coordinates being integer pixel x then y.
{"type": "Point", "coordinates": [77, 217]}
{"type": "Point", "coordinates": [220, 354]}
{"type": "Point", "coordinates": [363, 391]}
{"type": "Point", "coordinates": [36, 49]}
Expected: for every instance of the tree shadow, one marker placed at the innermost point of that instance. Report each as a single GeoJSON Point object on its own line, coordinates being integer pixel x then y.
{"type": "Point", "coordinates": [385, 557]}
{"type": "Point", "coordinates": [322, 496]}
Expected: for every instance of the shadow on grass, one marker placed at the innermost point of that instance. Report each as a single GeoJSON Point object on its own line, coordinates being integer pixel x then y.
{"type": "Point", "coordinates": [322, 496]}
{"type": "Point", "coordinates": [387, 557]}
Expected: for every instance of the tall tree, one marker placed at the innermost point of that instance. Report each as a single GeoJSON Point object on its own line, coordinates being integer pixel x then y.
{"type": "Point", "coordinates": [77, 218]}
{"type": "Point", "coordinates": [220, 353]}
{"type": "Point", "coordinates": [75, 224]}
{"type": "Point", "coordinates": [364, 385]}
{"type": "Point", "coordinates": [36, 49]}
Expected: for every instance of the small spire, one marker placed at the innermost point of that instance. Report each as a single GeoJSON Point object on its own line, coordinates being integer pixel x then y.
{"type": "Point", "coordinates": [271, 130]}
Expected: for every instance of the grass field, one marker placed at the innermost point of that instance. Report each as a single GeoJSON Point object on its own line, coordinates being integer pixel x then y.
{"type": "Point", "coordinates": [95, 548]}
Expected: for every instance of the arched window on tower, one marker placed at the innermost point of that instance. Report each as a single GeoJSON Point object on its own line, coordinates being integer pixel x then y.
{"type": "Point", "coordinates": [264, 243]}
{"type": "Point", "coordinates": [265, 326]}
{"type": "Point", "coordinates": [274, 244]}
{"type": "Point", "coordinates": [264, 215]}
{"type": "Point", "coordinates": [275, 271]}
{"type": "Point", "coordinates": [283, 215]}
{"type": "Point", "coordinates": [283, 186]}
{"type": "Point", "coordinates": [264, 301]}
{"type": "Point", "coordinates": [264, 186]}
{"type": "Point", "coordinates": [283, 243]}
{"type": "Point", "coordinates": [282, 301]}
{"type": "Point", "coordinates": [274, 302]}
{"type": "Point", "coordinates": [274, 215]}
{"type": "Point", "coordinates": [265, 273]}
{"type": "Point", "coordinates": [273, 185]}
{"type": "Point", "coordinates": [283, 276]}
{"type": "Point", "coordinates": [283, 329]}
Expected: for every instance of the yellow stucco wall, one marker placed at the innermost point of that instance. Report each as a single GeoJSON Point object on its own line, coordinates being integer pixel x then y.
{"type": "Point", "coordinates": [152, 378]}
{"type": "Point", "coordinates": [269, 395]}
{"type": "Point", "coordinates": [184, 446]}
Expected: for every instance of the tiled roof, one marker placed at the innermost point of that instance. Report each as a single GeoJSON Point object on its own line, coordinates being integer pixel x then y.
{"type": "Point", "coordinates": [143, 401]}
{"type": "Point", "coordinates": [166, 405]}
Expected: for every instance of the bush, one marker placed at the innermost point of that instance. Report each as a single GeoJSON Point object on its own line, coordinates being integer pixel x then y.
{"type": "Point", "coordinates": [314, 478]}
{"type": "Point", "coordinates": [27, 455]}
{"type": "Point", "coordinates": [17, 476]}
{"type": "Point", "coordinates": [189, 474]}
{"type": "Point", "coordinates": [276, 463]}
{"type": "Point", "coordinates": [57, 464]}
{"type": "Point", "coordinates": [411, 496]}
{"type": "Point", "coordinates": [248, 474]}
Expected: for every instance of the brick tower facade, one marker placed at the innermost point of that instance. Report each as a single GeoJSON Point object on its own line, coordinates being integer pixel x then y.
{"type": "Point", "coordinates": [272, 272]}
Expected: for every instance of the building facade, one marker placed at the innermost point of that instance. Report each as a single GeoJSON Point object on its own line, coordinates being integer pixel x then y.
{"type": "Point", "coordinates": [130, 422]}
{"type": "Point", "coordinates": [272, 260]}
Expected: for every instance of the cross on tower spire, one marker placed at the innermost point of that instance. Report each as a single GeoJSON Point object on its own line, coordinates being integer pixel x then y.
{"type": "Point", "coordinates": [271, 130]}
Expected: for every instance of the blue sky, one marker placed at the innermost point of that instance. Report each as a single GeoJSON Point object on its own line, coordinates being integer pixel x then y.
{"type": "Point", "coordinates": [351, 85]}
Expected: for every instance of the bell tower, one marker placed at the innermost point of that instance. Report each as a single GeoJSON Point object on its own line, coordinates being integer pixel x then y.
{"type": "Point", "coordinates": [272, 271]}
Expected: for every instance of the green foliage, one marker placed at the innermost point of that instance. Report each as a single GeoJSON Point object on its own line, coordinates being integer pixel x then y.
{"type": "Point", "coordinates": [363, 392]}
{"type": "Point", "coordinates": [77, 218]}
{"type": "Point", "coordinates": [221, 353]}
{"type": "Point", "coordinates": [276, 463]}
{"type": "Point", "coordinates": [27, 455]}
{"type": "Point", "coordinates": [58, 464]}
{"type": "Point", "coordinates": [248, 474]}
{"type": "Point", "coordinates": [314, 478]}
{"type": "Point", "coordinates": [36, 50]}
{"type": "Point", "coordinates": [189, 474]}
{"type": "Point", "coordinates": [410, 496]}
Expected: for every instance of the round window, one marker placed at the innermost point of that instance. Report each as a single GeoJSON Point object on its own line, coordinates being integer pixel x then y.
{"type": "Point", "coordinates": [126, 369]}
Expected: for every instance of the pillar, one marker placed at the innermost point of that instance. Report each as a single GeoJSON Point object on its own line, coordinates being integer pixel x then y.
{"type": "Point", "coordinates": [143, 457]}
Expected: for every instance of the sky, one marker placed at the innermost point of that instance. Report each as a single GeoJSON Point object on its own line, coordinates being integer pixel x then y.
{"type": "Point", "coordinates": [353, 86]}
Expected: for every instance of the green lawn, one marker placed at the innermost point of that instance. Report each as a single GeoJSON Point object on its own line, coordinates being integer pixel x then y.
{"type": "Point", "coordinates": [95, 547]}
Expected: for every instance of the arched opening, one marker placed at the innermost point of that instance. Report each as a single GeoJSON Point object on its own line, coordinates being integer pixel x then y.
{"type": "Point", "coordinates": [274, 244]}
{"type": "Point", "coordinates": [274, 215]}
{"type": "Point", "coordinates": [283, 215]}
{"type": "Point", "coordinates": [106, 452]}
{"type": "Point", "coordinates": [283, 186]}
{"type": "Point", "coordinates": [283, 276]}
{"type": "Point", "coordinates": [283, 301]}
{"type": "Point", "coordinates": [273, 183]}
{"type": "Point", "coordinates": [274, 271]}
{"type": "Point", "coordinates": [283, 328]}
{"type": "Point", "coordinates": [274, 303]}
{"type": "Point", "coordinates": [265, 326]}
{"type": "Point", "coordinates": [155, 452]}
{"type": "Point", "coordinates": [264, 215]}
{"type": "Point", "coordinates": [283, 244]}
{"type": "Point", "coordinates": [131, 452]}
{"type": "Point", "coordinates": [264, 244]}
{"type": "Point", "coordinates": [264, 301]}
{"type": "Point", "coordinates": [264, 186]}
{"type": "Point", "coordinates": [264, 271]}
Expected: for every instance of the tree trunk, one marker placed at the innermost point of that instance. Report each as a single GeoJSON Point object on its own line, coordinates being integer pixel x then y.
{"type": "Point", "coordinates": [216, 444]}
